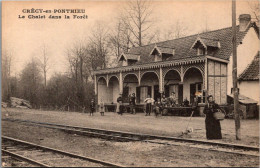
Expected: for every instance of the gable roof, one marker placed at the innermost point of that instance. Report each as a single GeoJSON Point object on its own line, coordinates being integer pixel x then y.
{"type": "Point", "coordinates": [252, 71]}
{"type": "Point", "coordinates": [206, 42]}
{"type": "Point", "coordinates": [182, 46]}
{"type": "Point", "coordinates": [162, 50]}
{"type": "Point", "coordinates": [128, 56]}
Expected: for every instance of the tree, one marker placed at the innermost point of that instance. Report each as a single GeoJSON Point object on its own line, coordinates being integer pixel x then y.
{"type": "Point", "coordinates": [31, 83]}
{"type": "Point", "coordinates": [60, 88]}
{"type": "Point", "coordinates": [137, 18]}
{"type": "Point", "coordinates": [98, 47]}
{"type": "Point", "coordinates": [44, 63]}
{"type": "Point", "coordinates": [78, 72]}
{"type": "Point", "coordinates": [254, 6]}
{"type": "Point", "coordinates": [176, 30]}
{"type": "Point", "coordinates": [7, 58]}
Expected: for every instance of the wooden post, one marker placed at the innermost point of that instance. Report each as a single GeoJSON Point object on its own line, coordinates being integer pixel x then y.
{"type": "Point", "coordinates": [120, 83]}
{"type": "Point", "coordinates": [161, 81]}
{"type": "Point", "coordinates": [95, 84]}
{"type": "Point", "coordinates": [234, 72]}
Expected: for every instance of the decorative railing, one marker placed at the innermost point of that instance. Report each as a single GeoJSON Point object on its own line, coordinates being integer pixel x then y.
{"type": "Point", "coordinates": [182, 61]}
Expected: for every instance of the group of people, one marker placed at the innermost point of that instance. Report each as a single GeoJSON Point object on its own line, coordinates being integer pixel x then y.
{"type": "Point", "coordinates": [213, 127]}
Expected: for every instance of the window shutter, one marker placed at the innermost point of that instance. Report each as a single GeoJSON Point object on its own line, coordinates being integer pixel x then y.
{"type": "Point", "coordinates": [166, 90]}
{"type": "Point", "coordinates": [138, 94]}
{"type": "Point", "coordinates": [149, 91]}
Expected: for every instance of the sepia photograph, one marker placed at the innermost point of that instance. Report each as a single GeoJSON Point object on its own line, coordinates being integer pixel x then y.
{"type": "Point", "coordinates": [130, 83]}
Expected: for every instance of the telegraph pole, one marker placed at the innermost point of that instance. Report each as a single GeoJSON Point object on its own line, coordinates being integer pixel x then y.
{"type": "Point", "coordinates": [234, 72]}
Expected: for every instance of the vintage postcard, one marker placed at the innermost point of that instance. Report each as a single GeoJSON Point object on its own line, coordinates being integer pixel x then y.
{"type": "Point", "coordinates": [120, 83]}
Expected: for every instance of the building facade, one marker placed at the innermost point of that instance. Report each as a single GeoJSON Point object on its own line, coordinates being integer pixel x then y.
{"type": "Point", "coordinates": [192, 66]}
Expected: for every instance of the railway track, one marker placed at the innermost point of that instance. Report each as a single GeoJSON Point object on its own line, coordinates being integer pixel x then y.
{"type": "Point", "coordinates": [30, 155]}
{"type": "Point", "coordinates": [128, 136]}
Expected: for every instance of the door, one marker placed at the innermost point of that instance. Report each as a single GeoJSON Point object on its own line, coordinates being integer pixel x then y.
{"type": "Point", "coordinates": [156, 92]}
{"type": "Point", "coordinates": [166, 90]}
{"type": "Point", "coordinates": [125, 94]}
{"type": "Point", "coordinates": [138, 94]}
{"type": "Point", "coordinates": [144, 92]}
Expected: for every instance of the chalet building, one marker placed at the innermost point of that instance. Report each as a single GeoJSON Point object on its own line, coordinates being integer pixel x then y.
{"type": "Point", "coordinates": [191, 66]}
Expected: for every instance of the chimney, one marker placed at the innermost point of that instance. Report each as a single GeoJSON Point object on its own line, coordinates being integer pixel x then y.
{"type": "Point", "coordinates": [244, 21]}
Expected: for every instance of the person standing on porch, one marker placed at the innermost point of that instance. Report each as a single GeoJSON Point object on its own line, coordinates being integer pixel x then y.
{"type": "Point", "coordinates": [213, 128]}
{"type": "Point", "coordinates": [119, 107]}
{"type": "Point", "coordinates": [92, 107]}
{"type": "Point", "coordinates": [149, 101]}
{"type": "Point", "coordinates": [164, 101]}
{"type": "Point", "coordinates": [173, 100]}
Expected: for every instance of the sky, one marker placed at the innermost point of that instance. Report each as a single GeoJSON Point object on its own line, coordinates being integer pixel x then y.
{"type": "Point", "coordinates": [25, 37]}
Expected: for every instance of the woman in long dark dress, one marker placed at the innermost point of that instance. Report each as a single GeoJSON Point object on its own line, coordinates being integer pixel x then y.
{"type": "Point", "coordinates": [213, 128]}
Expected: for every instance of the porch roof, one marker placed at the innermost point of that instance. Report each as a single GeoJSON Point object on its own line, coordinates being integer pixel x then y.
{"type": "Point", "coordinates": [183, 61]}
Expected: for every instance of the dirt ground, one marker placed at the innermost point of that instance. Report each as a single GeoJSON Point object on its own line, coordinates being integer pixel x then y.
{"type": "Point", "coordinates": [162, 125]}
{"type": "Point", "coordinates": [130, 154]}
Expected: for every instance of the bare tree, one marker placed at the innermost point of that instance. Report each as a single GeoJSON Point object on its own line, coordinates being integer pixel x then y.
{"type": "Point", "coordinates": [44, 62]}
{"type": "Point", "coordinates": [174, 31]}
{"type": "Point", "coordinates": [178, 30]}
{"type": "Point", "coordinates": [7, 58]}
{"type": "Point", "coordinates": [98, 47]}
{"type": "Point", "coordinates": [137, 17]}
{"type": "Point", "coordinates": [120, 38]}
{"type": "Point", "coordinates": [254, 5]}
{"type": "Point", "coordinates": [115, 39]}
{"type": "Point", "coordinates": [76, 56]}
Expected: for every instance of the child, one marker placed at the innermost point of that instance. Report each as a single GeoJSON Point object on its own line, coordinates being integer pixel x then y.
{"type": "Point", "coordinates": [92, 107]}
{"type": "Point", "coordinates": [158, 107]}
{"type": "Point", "coordinates": [102, 106]}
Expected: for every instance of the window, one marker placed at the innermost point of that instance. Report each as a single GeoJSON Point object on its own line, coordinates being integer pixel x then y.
{"type": "Point", "coordinates": [157, 58]}
{"type": "Point", "coordinates": [196, 91]}
{"type": "Point", "coordinates": [201, 93]}
{"type": "Point", "coordinates": [124, 63]}
{"type": "Point", "coordinates": [144, 92]}
{"type": "Point", "coordinates": [131, 62]}
{"type": "Point", "coordinates": [201, 51]}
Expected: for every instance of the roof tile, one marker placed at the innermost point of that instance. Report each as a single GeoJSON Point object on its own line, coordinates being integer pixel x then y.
{"type": "Point", "coordinates": [252, 71]}
{"type": "Point", "coordinates": [182, 46]}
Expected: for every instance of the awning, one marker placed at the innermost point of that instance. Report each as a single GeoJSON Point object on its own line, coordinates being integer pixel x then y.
{"type": "Point", "coordinates": [244, 100]}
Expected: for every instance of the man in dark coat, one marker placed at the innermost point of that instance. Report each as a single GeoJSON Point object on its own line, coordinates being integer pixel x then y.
{"type": "Point", "coordinates": [132, 104]}
{"type": "Point", "coordinates": [213, 128]}
{"type": "Point", "coordinates": [92, 107]}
